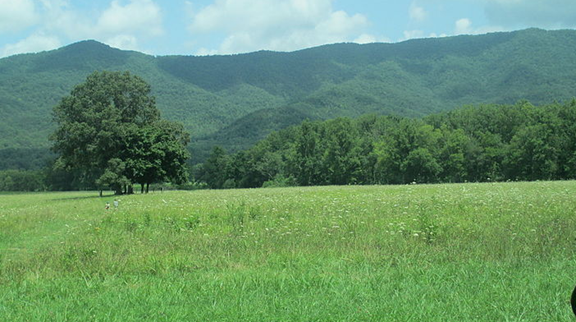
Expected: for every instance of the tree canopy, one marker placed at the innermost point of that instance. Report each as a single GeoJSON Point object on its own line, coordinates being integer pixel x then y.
{"type": "Point", "coordinates": [110, 131]}
{"type": "Point", "coordinates": [474, 143]}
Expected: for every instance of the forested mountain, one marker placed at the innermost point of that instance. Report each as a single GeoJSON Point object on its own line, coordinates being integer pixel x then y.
{"type": "Point", "coordinates": [236, 100]}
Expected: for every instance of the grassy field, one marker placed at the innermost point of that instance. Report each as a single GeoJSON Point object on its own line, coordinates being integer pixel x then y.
{"type": "Point", "coordinates": [459, 252]}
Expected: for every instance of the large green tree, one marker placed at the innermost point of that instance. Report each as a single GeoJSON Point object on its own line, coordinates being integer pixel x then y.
{"type": "Point", "coordinates": [110, 130]}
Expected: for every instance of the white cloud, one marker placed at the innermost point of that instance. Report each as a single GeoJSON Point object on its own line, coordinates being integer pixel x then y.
{"type": "Point", "coordinates": [276, 24]}
{"type": "Point", "coordinates": [435, 35]}
{"type": "Point", "coordinates": [122, 24]}
{"type": "Point", "coordinates": [368, 39]}
{"type": "Point", "coordinates": [412, 34]}
{"type": "Point", "coordinates": [417, 13]}
{"type": "Point", "coordinates": [365, 39]}
{"type": "Point", "coordinates": [127, 42]}
{"type": "Point", "coordinates": [463, 26]}
{"type": "Point", "coordinates": [138, 16]}
{"type": "Point", "coordinates": [58, 18]}
{"type": "Point", "coordinates": [415, 34]}
{"type": "Point", "coordinates": [34, 43]}
{"type": "Point", "coordinates": [206, 52]}
{"type": "Point", "coordinates": [16, 15]}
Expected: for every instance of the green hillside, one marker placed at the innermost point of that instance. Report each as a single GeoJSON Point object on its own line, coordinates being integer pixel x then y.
{"type": "Point", "coordinates": [235, 100]}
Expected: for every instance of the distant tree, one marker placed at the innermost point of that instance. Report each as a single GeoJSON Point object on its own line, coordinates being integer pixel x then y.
{"type": "Point", "coordinates": [453, 150]}
{"type": "Point", "coordinates": [341, 162]}
{"type": "Point", "coordinates": [113, 176]}
{"type": "Point", "coordinates": [305, 160]}
{"type": "Point", "coordinates": [421, 166]}
{"type": "Point", "coordinates": [567, 114]}
{"type": "Point", "coordinates": [110, 130]}
{"type": "Point", "coordinates": [155, 154]}
{"type": "Point", "coordinates": [215, 170]}
{"type": "Point", "coordinates": [392, 148]}
{"type": "Point", "coordinates": [534, 153]}
{"type": "Point", "coordinates": [21, 180]}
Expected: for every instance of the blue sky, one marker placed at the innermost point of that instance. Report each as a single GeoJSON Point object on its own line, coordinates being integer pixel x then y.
{"type": "Point", "coordinates": [203, 27]}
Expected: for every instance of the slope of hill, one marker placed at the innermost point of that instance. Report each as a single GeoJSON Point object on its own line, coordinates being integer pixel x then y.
{"type": "Point", "coordinates": [235, 100]}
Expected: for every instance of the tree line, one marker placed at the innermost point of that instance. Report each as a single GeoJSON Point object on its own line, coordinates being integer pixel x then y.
{"type": "Point", "coordinates": [471, 144]}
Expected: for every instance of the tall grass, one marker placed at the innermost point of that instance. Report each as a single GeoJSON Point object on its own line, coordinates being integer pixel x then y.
{"type": "Point", "coordinates": [461, 252]}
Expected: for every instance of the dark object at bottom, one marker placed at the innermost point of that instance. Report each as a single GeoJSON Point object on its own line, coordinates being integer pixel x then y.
{"type": "Point", "coordinates": [573, 301]}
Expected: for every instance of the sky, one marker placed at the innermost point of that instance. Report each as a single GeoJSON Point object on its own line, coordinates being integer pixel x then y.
{"type": "Point", "coordinates": [210, 27]}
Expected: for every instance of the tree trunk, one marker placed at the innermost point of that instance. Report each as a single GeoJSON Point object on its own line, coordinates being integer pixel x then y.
{"type": "Point", "coordinates": [118, 190]}
{"type": "Point", "coordinates": [141, 188]}
{"type": "Point", "coordinates": [100, 193]}
{"type": "Point", "coordinates": [130, 190]}
{"type": "Point", "coordinates": [147, 186]}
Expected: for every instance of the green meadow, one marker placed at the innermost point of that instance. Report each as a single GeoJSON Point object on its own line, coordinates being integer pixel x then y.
{"type": "Point", "coordinates": [453, 252]}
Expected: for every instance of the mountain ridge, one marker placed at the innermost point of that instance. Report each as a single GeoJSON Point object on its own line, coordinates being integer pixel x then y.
{"type": "Point", "coordinates": [218, 96]}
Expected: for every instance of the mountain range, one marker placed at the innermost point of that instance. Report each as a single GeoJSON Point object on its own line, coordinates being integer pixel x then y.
{"type": "Point", "coordinates": [235, 100]}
